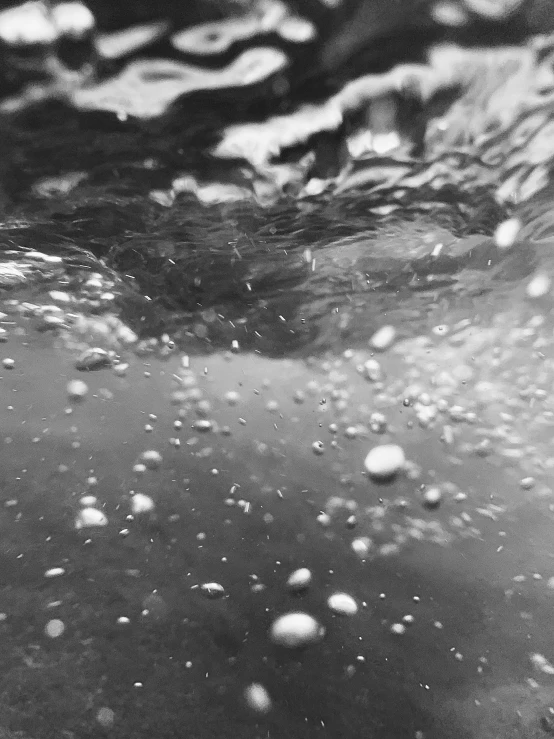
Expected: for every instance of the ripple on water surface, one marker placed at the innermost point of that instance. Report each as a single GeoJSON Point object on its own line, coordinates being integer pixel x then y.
{"type": "Point", "coordinates": [278, 430]}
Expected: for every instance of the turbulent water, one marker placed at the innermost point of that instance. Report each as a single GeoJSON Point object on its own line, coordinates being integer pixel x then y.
{"type": "Point", "coordinates": [242, 245]}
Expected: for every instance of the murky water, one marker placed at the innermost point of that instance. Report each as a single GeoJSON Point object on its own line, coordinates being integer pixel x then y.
{"type": "Point", "coordinates": [235, 259]}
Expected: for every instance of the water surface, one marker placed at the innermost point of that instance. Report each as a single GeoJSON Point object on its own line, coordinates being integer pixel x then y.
{"type": "Point", "coordinates": [231, 303]}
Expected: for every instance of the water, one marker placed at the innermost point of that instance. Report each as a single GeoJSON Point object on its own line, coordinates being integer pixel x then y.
{"type": "Point", "coordinates": [230, 304]}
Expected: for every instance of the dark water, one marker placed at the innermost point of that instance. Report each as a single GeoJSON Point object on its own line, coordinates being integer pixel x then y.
{"type": "Point", "coordinates": [228, 251]}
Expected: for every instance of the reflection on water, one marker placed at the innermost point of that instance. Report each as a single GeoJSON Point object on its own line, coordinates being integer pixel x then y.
{"type": "Point", "coordinates": [219, 295]}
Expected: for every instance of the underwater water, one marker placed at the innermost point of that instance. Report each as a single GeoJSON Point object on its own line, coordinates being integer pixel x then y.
{"type": "Point", "coordinates": [242, 246]}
